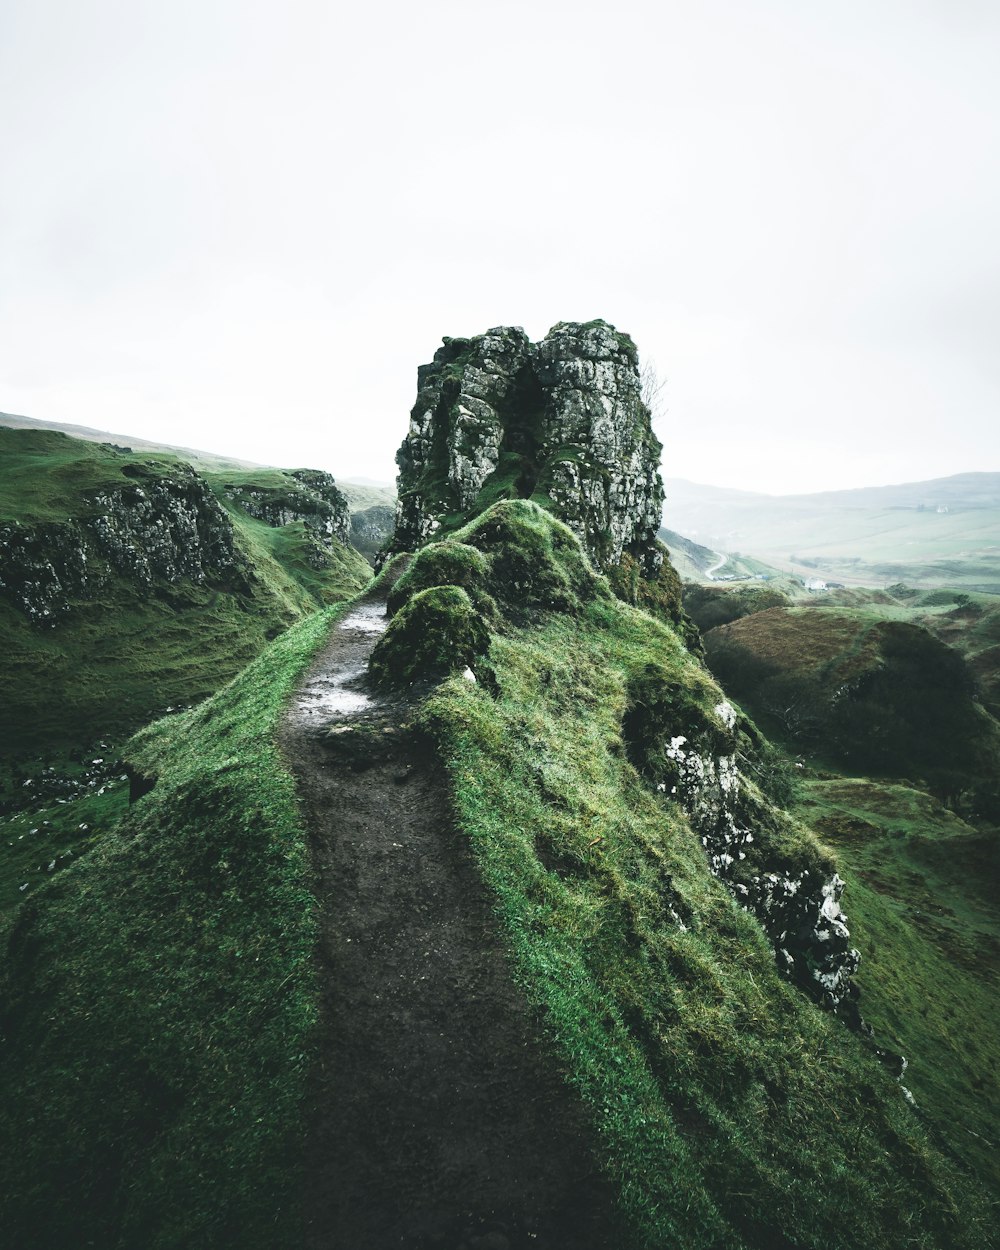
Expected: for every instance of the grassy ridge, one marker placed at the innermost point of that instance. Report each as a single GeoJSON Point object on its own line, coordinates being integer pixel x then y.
{"type": "Point", "coordinates": [732, 1111]}
{"type": "Point", "coordinates": [153, 1066]}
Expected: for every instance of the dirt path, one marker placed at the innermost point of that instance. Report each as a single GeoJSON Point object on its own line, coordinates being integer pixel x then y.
{"type": "Point", "coordinates": [438, 1118]}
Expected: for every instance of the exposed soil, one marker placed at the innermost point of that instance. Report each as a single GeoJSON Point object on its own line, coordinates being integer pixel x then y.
{"type": "Point", "coordinates": [438, 1117]}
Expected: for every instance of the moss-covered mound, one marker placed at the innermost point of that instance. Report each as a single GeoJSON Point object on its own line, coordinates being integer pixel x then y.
{"type": "Point", "coordinates": [437, 631]}
{"type": "Point", "coordinates": [883, 697]}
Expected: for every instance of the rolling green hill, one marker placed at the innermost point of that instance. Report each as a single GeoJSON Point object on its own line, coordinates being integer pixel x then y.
{"type": "Point", "coordinates": [944, 532]}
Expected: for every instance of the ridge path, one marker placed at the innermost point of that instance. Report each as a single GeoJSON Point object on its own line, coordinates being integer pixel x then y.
{"type": "Point", "coordinates": [437, 1118]}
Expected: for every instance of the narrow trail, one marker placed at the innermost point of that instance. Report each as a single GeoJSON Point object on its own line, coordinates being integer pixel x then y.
{"type": "Point", "coordinates": [437, 1118]}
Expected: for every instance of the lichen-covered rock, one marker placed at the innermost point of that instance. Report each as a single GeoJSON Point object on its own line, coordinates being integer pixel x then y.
{"type": "Point", "coordinates": [43, 566]}
{"type": "Point", "coordinates": [307, 495]}
{"type": "Point", "coordinates": [166, 528]}
{"type": "Point", "coordinates": [371, 529]}
{"type": "Point", "coordinates": [561, 421]}
{"type": "Point", "coordinates": [777, 870]}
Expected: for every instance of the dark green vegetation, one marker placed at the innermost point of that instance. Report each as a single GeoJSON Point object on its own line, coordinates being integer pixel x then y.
{"type": "Point", "coordinates": [938, 533]}
{"type": "Point", "coordinates": [159, 997]}
{"type": "Point", "coordinates": [871, 695]}
{"type": "Point", "coordinates": [129, 590]}
{"type": "Point", "coordinates": [709, 606]}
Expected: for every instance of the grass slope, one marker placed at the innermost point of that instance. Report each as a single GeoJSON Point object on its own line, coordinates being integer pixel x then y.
{"type": "Point", "coordinates": [153, 1066]}
{"type": "Point", "coordinates": [925, 917]}
{"type": "Point", "coordinates": [872, 694]}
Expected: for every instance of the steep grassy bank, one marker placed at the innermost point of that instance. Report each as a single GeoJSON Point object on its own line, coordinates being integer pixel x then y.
{"type": "Point", "coordinates": [924, 907]}
{"type": "Point", "coordinates": [158, 997]}
{"type": "Point", "coordinates": [733, 1111]}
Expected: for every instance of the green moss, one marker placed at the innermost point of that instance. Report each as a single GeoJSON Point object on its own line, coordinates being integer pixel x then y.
{"type": "Point", "coordinates": [535, 561]}
{"type": "Point", "coordinates": [660, 595]}
{"type": "Point", "coordinates": [437, 631]}
{"type": "Point", "coordinates": [159, 1057]}
{"type": "Point", "coordinates": [440, 564]}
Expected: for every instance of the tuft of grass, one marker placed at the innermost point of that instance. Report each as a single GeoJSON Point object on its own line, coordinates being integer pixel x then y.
{"type": "Point", "coordinates": [159, 1056]}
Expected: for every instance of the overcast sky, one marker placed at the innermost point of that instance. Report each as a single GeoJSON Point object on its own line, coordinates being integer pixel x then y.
{"type": "Point", "coordinates": [241, 226]}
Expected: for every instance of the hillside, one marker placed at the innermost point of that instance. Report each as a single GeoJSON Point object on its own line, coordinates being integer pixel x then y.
{"type": "Point", "coordinates": [878, 697]}
{"type": "Point", "coordinates": [471, 913]}
{"type": "Point", "coordinates": [130, 584]}
{"type": "Point", "coordinates": [655, 997]}
{"type": "Point", "coordinates": [944, 532]}
{"type": "Point", "coordinates": [201, 459]}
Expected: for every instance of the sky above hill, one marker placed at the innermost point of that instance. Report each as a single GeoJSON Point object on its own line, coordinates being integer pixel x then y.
{"type": "Point", "coordinates": [241, 226]}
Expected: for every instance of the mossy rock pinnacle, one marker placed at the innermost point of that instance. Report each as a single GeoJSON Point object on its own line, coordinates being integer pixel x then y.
{"type": "Point", "coordinates": [561, 422]}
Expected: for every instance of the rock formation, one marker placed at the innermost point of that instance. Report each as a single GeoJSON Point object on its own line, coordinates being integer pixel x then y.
{"type": "Point", "coordinates": [161, 526]}
{"type": "Point", "coordinates": [561, 421]}
{"type": "Point", "coordinates": [311, 497]}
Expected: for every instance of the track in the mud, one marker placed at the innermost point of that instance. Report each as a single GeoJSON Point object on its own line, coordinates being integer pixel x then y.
{"type": "Point", "coordinates": [437, 1117]}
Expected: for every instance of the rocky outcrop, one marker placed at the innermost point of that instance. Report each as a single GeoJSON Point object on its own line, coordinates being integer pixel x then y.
{"type": "Point", "coordinates": [307, 495]}
{"type": "Point", "coordinates": [43, 566]}
{"type": "Point", "coordinates": [166, 528]}
{"type": "Point", "coordinates": [157, 528]}
{"type": "Point", "coordinates": [786, 881]}
{"type": "Point", "coordinates": [561, 421]}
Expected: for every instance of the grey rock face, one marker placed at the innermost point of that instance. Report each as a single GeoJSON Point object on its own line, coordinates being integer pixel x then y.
{"type": "Point", "coordinates": [158, 529]}
{"type": "Point", "coordinates": [169, 529]}
{"type": "Point", "coordinates": [41, 566]}
{"type": "Point", "coordinates": [799, 908]}
{"type": "Point", "coordinates": [371, 529]}
{"type": "Point", "coordinates": [561, 421]}
{"type": "Point", "coordinates": [312, 498]}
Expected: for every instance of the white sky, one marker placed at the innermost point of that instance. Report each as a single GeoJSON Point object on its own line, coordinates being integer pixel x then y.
{"type": "Point", "coordinates": [241, 226]}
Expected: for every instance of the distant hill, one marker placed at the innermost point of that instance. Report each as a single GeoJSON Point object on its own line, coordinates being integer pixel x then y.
{"type": "Point", "coordinates": [944, 532]}
{"type": "Point", "coordinates": [695, 563]}
{"type": "Point", "coordinates": [202, 459]}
